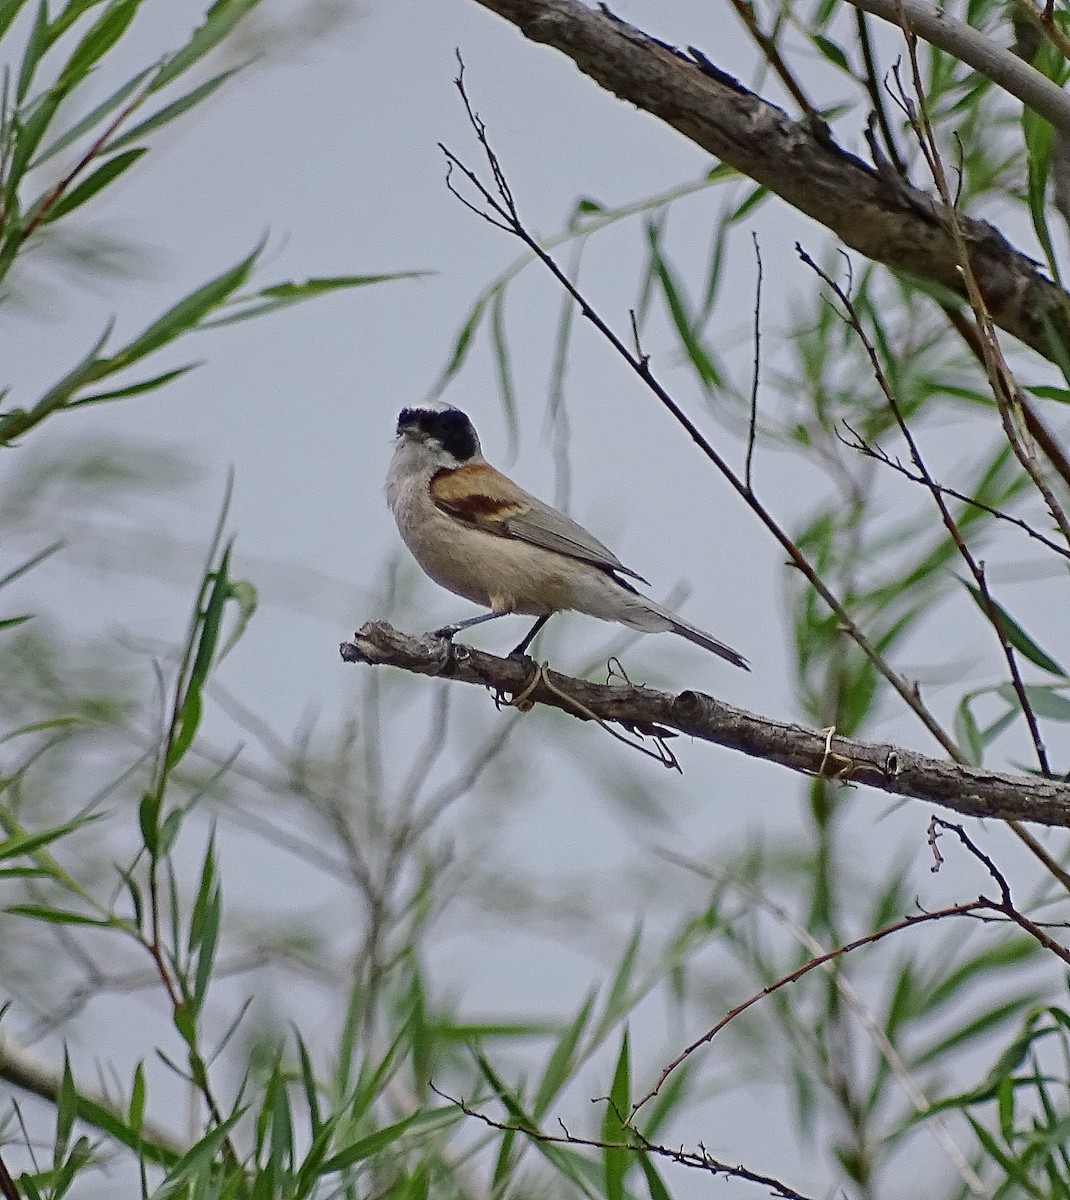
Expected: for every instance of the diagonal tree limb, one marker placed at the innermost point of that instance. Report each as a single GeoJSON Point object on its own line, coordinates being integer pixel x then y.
{"type": "Point", "coordinates": [883, 218]}
{"type": "Point", "coordinates": [972, 791]}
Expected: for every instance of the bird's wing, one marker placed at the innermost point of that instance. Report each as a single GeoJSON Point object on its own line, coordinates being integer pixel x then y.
{"type": "Point", "coordinates": [482, 496]}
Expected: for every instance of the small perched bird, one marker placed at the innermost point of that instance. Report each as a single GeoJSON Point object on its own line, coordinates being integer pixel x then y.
{"type": "Point", "coordinates": [478, 534]}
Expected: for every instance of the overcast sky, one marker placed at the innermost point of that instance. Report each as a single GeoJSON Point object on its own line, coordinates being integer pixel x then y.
{"type": "Point", "coordinates": [330, 149]}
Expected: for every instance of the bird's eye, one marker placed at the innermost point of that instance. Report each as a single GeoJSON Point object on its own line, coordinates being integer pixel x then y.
{"type": "Point", "coordinates": [455, 434]}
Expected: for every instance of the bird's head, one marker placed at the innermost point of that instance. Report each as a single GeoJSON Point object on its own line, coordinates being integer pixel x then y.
{"type": "Point", "coordinates": [440, 431]}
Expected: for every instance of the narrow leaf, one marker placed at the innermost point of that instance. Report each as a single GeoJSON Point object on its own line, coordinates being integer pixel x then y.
{"type": "Point", "coordinates": [106, 173]}
{"type": "Point", "coordinates": [169, 112]}
{"type": "Point", "coordinates": [1014, 633]}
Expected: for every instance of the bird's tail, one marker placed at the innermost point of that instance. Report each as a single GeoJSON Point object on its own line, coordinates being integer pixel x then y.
{"type": "Point", "coordinates": [652, 616]}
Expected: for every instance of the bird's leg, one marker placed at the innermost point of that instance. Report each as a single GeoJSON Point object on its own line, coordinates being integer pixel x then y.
{"type": "Point", "coordinates": [518, 652]}
{"type": "Point", "coordinates": [447, 631]}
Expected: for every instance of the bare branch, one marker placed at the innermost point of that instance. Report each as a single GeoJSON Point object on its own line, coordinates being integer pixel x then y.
{"type": "Point", "coordinates": [971, 791]}
{"type": "Point", "coordinates": [883, 218]}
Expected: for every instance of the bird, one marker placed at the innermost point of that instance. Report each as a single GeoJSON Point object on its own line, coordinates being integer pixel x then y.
{"type": "Point", "coordinates": [478, 534]}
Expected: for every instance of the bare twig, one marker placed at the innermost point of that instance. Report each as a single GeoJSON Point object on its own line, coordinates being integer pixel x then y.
{"type": "Point", "coordinates": [857, 442]}
{"type": "Point", "coordinates": [873, 1025]}
{"type": "Point", "coordinates": [877, 95]}
{"type": "Point", "coordinates": [501, 212]}
{"type": "Point", "coordinates": [818, 960]}
{"type": "Point", "coordinates": [752, 426]}
{"type": "Point", "coordinates": [1052, 448]}
{"type": "Point", "coordinates": [976, 569]}
{"type": "Point", "coordinates": [699, 1158]}
{"type": "Point", "coordinates": [1005, 388]}
{"type": "Point", "coordinates": [1005, 904]}
{"type": "Point", "coordinates": [767, 45]}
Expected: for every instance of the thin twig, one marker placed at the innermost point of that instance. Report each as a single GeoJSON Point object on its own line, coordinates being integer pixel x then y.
{"type": "Point", "coordinates": [876, 94]}
{"type": "Point", "coordinates": [1005, 388]}
{"type": "Point", "coordinates": [1005, 904]}
{"type": "Point", "coordinates": [503, 215]}
{"type": "Point", "coordinates": [882, 456]}
{"type": "Point", "coordinates": [870, 1022]}
{"type": "Point", "coordinates": [976, 569]}
{"type": "Point", "coordinates": [979, 51]}
{"type": "Point", "coordinates": [818, 960]}
{"type": "Point", "coordinates": [767, 45]}
{"type": "Point", "coordinates": [752, 427]}
{"type": "Point", "coordinates": [699, 1158]}
{"type": "Point", "coordinates": [1052, 448]}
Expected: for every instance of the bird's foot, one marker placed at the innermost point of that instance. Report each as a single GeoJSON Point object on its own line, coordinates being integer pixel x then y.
{"type": "Point", "coordinates": [446, 633]}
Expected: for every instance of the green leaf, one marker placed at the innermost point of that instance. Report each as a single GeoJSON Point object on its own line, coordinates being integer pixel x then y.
{"type": "Point", "coordinates": [106, 173]}
{"type": "Point", "coordinates": [72, 12]}
{"type": "Point", "coordinates": [834, 53]}
{"type": "Point", "coordinates": [282, 295]}
{"type": "Point", "coordinates": [66, 1112]}
{"type": "Point", "coordinates": [186, 314]}
{"type": "Point", "coordinates": [615, 1161]}
{"type": "Point", "coordinates": [619, 996]}
{"type": "Point", "coordinates": [36, 45]}
{"type": "Point", "coordinates": [210, 623]}
{"type": "Point", "coordinates": [1014, 633]}
{"type": "Point", "coordinates": [1044, 700]}
{"type": "Point", "coordinates": [708, 374]}
{"type": "Point", "coordinates": [244, 594]}
{"type": "Point", "coordinates": [979, 970]}
{"type": "Point", "coordinates": [97, 41]}
{"type": "Point", "coordinates": [426, 1120]}
{"type": "Point", "coordinates": [39, 726]}
{"type": "Point", "coordinates": [137, 1100]}
{"type": "Point", "coordinates": [27, 843]}
{"type": "Point", "coordinates": [1051, 393]}
{"type": "Point", "coordinates": [567, 1164]}
{"type": "Point", "coordinates": [134, 389]}
{"type": "Point", "coordinates": [205, 924]}
{"type": "Point", "coordinates": [967, 733]}
{"type": "Point", "coordinates": [560, 1064]}
{"type": "Point", "coordinates": [93, 118]}
{"type": "Point", "coordinates": [657, 1189]}
{"type": "Point", "coordinates": [198, 1157]}
{"type": "Point", "coordinates": [149, 819]}
{"type": "Point", "coordinates": [170, 112]}
{"type": "Point", "coordinates": [9, 10]}
{"type": "Point", "coordinates": [29, 134]}
{"type": "Point", "coordinates": [221, 18]}
{"type": "Point", "coordinates": [59, 916]}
